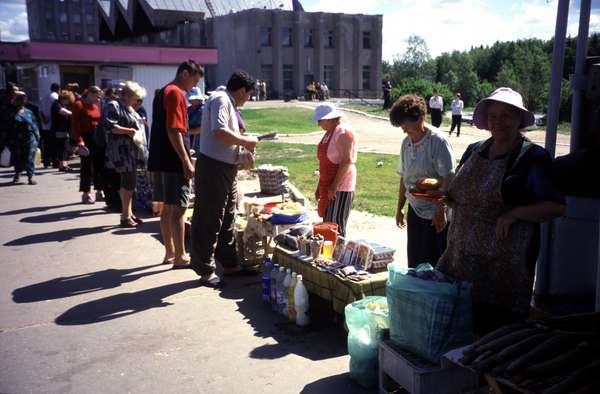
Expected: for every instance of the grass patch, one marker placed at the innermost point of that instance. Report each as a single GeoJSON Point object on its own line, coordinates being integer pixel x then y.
{"type": "Point", "coordinates": [564, 128]}
{"type": "Point", "coordinates": [280, 120]}
{"type": "Point", "coordinates": [369, 109]}
{"type": "Point", "coordinates": [376, 187]}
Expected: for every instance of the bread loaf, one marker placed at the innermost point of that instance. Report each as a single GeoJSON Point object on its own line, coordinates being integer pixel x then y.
{"type": "Point", "coordinates": [427, 184]}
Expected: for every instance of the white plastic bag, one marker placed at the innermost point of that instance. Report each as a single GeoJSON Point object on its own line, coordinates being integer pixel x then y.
{"type": "Point", "coordinates": [5, 157]}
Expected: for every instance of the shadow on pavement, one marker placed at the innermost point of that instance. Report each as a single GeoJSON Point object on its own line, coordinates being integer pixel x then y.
{"type": "Point", "coordinates": [336, 384]}
{"type": "Point", "coordinates": [149, 227]}
{"type": "Point", "coordinates": [322, 340]}
{"type": "Point", "coordinates": [61, 216]}
{"type": "Point", "coordinates": [121, 305]}
{"type": "Point", "coordinates": [37, 209]}
{"type": "Point", "coordinates": [80, 284]}
{"type": "Point", "coordinates": [58, 236]}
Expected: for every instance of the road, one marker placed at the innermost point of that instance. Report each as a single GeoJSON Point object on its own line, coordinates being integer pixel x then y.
{"type": "Point", "coordinates": [86, 307]}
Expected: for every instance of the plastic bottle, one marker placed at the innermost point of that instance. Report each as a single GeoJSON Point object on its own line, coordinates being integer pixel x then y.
{"type": "Point", "coordinates": [286, 286]}
{"type": "Point", "coordinates": [280, 279]}
{"type": "Point", "coordinates": [301, 303]}
{"type": "Point", "coordinates": [273, 285]}
{"type": "Point", "coordinates": [266, 280]}
{"type": "Point", "coordinates": [290, 304]}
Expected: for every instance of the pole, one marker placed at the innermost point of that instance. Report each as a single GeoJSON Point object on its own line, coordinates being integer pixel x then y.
{"type": "Point", "coordinates": [578, 82]}
{"type": "Point", "coordinates": [558, 60]}
{"type": "Point", "coordinates": [542, 278]}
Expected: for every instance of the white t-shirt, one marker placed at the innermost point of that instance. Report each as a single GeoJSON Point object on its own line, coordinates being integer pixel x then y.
{"type": "Point", "coordinates": [436, 102]}
{"type": "Point", "coordinates": [457, 107]}
{"type": "Point", "coordinates": [46, 109]}
{"type": "Point", "coordinates": [219, 113]}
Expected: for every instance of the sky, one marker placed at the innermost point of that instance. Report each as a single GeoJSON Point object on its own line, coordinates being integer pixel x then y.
{"type": "Point", "coordinates": [446, 25]}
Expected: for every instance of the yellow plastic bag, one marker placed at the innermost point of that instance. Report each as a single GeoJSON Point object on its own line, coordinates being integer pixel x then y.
{"type": "Point", "coordinates": [38, 157]}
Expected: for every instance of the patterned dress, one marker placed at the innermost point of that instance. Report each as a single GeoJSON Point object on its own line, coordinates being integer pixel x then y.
{"type": "Point", "coordinates": [122, 153]}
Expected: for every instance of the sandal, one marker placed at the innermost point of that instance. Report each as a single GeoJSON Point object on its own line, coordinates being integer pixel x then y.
{"type": "Point", "coordinates": [169, 261]}
{"type": "Point", "coordinates": [137, 220]}
{"type": "Point", "coordinates": [214, 283]}
{"type": "Point", "coordinates": [128, 223]}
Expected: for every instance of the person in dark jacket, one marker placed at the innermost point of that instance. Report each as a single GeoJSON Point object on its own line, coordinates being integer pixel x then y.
{"type": "Point", "coordinates": [24, 139]}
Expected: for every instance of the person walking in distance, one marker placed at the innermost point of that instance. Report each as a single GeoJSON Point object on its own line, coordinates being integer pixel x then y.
{"type": "Point", "coordinates": [215, 182]}
{"type": "Point", "coordinates": [169, 159]}
{"type": "Point", "coordinates": [457, 109]}
{"type": "Point", "coordinates": [436, 105]}
{"type": "Point", "coordinates": [47, 141]}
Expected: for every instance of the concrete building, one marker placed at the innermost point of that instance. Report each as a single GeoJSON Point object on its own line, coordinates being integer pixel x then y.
{"type": "Point", "coordinates": [275, 41]}
{"type": "Point", "coordinates": [290, 49]}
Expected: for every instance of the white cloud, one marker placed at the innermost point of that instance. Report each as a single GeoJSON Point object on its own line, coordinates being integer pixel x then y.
{"type": "Point", "coordinates": [15, 29]}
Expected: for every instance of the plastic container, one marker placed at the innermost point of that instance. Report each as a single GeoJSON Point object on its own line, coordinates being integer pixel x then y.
{"type": "Point", "coordinates": [290, 303]}
{"type": "Point", "coordinates": [266, 280]}
{"type": "Point", "coordinates": [328, 230]}
{"type": "Point", "coordinates": [301, 303]}
{"type": "Point", "coordinates": [280, 279]}
{"type": "Point", "coordinates": [286, 286]}
{"type": "Point", "coordinates": [273, 286]}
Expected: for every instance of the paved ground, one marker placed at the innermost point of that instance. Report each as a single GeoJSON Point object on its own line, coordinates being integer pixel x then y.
{"type": "Point", "coordinates": [85, 307]}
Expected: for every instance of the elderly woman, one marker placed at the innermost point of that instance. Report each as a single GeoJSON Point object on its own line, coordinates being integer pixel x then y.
{"type": "Point", "coordinates": [126, 148]}
{"type": "Point", "coordinates": [60, 114]}
{"type": "Point", "coordinates": [84, 121]}
{"type": "Point", "coordinates": [425, 153]}
{"type": "Point", "coordinates": [24, 139]}
{"type": "Point", "coordinates": [501, 192]}
{"type": "Point", "coordinates": [337, 170]}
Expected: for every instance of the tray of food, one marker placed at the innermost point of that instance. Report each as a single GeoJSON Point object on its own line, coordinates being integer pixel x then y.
{"type": "Point", "coordinates": [427, 189]}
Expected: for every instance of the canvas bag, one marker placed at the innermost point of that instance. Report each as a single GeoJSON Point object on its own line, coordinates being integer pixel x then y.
{"type": "Point", "coordinates": [5, 157]}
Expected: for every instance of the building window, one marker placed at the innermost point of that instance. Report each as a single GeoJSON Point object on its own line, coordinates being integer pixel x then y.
{"type": "Point", "coordinates": [266, 74]}
{"type": "Point", "coordinates": [265, 36]}
{"type": "Point", "coordinates": [367, 39]}
{"type": "Point", "coordinates": [91, 38]}
{"type": "Point", "coordinates": [329, 39]}
{"type": "Point", "coordinates": [77, 37]}
{"type": "Point", "coordinates": [62, 17]}
{"type": "Point", "coordinates": [329, 76]}
{"type": "Point", "coordinates": [308, 38]}
{"type": "Point", "coordinates": [89, 19]}
{"type": "Point", "coordinates": [366, 77]}
{"type": "Point", "coordinates": [76, 18]}
{"type": "Point", "coordinates": [286, 37]}
{"type": "Point", "coordinates": [288, 77]}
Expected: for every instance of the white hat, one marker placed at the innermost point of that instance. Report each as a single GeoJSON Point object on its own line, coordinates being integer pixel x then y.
{"type": "Point", "coordinates": [502, 95]}
{"type": "Point", "coordinates": [195, 94]}
{"type": "Point", "coordinates": [326, 111]}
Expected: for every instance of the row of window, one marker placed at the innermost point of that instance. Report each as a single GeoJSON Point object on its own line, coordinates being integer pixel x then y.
{"type": "Point", "coordinates": [266, 34]}
{"type": "Point", "coordinates": [328, 76]}
{"type": "Point", "coordinates": [63, 17]}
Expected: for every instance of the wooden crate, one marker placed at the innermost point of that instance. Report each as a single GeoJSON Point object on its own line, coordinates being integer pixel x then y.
{"type": "Point", "coordinates": [417, 376]}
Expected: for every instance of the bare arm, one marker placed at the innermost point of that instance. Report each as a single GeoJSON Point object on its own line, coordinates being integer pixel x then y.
{"type": "Point", "coordinates": [538, 212]}
{"type": "Point", "coordinates": [344, 143]}
{"type": "Point", "coordinates": [196, 131]}
{"type": "Point", "coordinates": [64, 112]}
{"type": "Point", "coordinates": [176, 140]}
{"type": "Point", "coordinates": [401, 201]}
{"type": "Point", "coordinates": [440, 220]}
{"type": "Point", "coordinates": [122, 130]}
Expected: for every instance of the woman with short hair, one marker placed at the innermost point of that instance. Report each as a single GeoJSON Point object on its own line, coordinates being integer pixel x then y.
{"type": "Point", "coordinates": [126, 150]}
{"type": "Point", "coordinates": [60, 113]}
{"type": "Point", "coordinates": [425, 153]}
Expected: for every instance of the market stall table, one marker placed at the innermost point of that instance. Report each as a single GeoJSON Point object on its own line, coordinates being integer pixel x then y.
{"type": "Point", "coordinates": [335, 289]}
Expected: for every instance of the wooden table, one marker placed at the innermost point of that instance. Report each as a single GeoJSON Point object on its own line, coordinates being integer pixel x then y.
{"type": "Point", "coordinates": [333, 288]}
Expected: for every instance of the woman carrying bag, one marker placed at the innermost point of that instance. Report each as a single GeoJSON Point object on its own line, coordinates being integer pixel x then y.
{"type": "Point", "coordinates": [126, 149]}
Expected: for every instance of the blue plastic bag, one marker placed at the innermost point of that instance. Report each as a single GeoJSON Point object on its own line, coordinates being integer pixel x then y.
{"type": "Point", "coordinates": [365, 319]}
{"type": "Point", "coordinates": [428, 317]}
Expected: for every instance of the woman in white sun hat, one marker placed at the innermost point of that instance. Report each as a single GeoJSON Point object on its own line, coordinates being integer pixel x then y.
{"type": "Point", "coordinates": [500, 194]}
{"type": "Point", "coordinates": [337, 170]}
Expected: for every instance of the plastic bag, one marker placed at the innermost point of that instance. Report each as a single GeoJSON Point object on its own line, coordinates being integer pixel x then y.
{"type": "Point", "coordinates": [428, 318]}
{"type": "Point", "coordinates": [366, 319]}
{"type": "Point", "coordinates": [5, 157]}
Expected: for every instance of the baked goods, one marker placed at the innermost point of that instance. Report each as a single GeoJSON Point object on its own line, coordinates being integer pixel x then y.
{"type": "Point", "coordinates": [425, 184]}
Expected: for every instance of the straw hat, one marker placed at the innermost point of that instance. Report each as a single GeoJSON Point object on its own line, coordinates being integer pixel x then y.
{"type": "Point", "coordinates": [502, 95]}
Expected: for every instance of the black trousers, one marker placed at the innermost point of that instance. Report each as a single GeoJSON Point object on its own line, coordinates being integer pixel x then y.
{"type": "Point", "coordinates": [213, 220]}
{"type": "Point", "coordinates": [456, 120]}
{"type": "Point", "coordinates": [91, 166]}
{"type": "Point", "coordinates": [47, 147]}
{"type": "Point", "coordinates": [425, 245]}
{"type": "Point", "coordinates": [59, 153]}
{"type": "Point", "coordinates": [436, 117]}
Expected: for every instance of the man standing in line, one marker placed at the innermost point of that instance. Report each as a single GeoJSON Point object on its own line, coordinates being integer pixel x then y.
{"type": "Point", "coordinates": [216, 186]}
{"type": "Point", "coordinates": [436, 105]}
{"type": "Point", "coordinates": [47, 142]}
{"type": "Point", "coordinates": [169, 159]}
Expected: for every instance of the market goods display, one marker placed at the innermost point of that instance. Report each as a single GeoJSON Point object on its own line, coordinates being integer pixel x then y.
{"type": "Point", "coordinates": [272, 179]}
{"type": "Point", "coordinates": [427, 189]}
{"type": "Point", "coordinates": [288, 213]}
{"type": "Point", "coordinates": [540, 358]}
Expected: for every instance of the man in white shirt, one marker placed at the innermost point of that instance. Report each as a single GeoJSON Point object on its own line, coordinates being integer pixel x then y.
{"type": "Point", "coordinates": [436, 106]}
{"type": "Point", "coordinates": [45, 113]}
{"type": "Point", "coordinates": [457, 109]}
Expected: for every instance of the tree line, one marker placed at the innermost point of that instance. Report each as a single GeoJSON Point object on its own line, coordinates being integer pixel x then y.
{"type": "Point", "coordinates": [523, 65]}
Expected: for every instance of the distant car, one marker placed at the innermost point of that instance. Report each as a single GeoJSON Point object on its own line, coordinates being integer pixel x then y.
{"type": "Point", "coordinates": [468, 118]}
